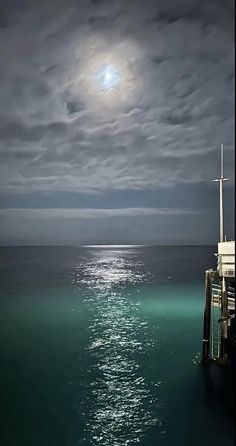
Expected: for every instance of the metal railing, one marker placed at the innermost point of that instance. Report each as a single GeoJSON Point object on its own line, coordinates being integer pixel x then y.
{"type": "Point", "coordinates": [215, 324]}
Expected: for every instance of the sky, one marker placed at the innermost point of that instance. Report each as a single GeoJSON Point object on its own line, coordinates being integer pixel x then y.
{"type": "Point", "coordinates": [111, 118]}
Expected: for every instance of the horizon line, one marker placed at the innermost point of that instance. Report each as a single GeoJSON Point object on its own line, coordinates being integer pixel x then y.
{"type": "Point", "coordinates": [108, 245]}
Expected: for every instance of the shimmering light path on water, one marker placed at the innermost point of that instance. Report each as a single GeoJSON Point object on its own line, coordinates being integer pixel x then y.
{"type": "Point", "coordinates": [100, 346]}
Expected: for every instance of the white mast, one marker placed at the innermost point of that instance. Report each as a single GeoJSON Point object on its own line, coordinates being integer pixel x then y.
{"type": "Point", "coordinates": [221, 181]}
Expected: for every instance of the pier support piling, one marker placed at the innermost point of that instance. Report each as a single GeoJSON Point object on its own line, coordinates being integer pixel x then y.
{"type": "Point", "coordinates": [207, 316]}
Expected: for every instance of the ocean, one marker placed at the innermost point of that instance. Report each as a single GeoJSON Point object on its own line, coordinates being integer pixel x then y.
{"type": "Point", "coordinates": [101, 346]}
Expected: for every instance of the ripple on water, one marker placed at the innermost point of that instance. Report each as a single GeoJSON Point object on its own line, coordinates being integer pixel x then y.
{"type": "Point", "coordinates": [123, 407]}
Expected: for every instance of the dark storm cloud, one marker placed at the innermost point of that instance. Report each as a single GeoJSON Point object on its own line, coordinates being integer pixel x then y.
{"type": "Point", "coordinates": [161, 128]}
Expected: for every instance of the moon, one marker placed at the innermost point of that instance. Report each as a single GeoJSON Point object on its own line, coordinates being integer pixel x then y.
{"type": "Point", "coordinates": [108, 78]}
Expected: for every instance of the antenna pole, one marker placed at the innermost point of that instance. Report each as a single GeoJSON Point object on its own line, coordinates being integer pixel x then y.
{"type": "Point", "coordinates": [221, 181]}
{"type": "Point", "coordinates": [222, 160]}
{"type": "Point", "coordinates": [222, 195]}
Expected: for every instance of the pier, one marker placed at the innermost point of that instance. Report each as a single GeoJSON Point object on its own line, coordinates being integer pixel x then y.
{"type": "Point", "coordinates": [219, 314]}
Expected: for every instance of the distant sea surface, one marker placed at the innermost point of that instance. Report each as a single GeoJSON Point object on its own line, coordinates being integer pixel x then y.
{"type": "Point", "coordinates": [100, 346]}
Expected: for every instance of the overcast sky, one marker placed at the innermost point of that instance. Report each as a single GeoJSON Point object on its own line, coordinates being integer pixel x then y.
{"type": "Point", "coordinates": [111, 119]}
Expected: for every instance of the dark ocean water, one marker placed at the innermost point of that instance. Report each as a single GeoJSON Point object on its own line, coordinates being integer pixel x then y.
{"type": "Point", "coordinates": [101, 347]}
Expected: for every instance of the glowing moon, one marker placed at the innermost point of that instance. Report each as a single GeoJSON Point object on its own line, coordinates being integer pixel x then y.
{"type": "Point", "coordinates": [107, 77]}
{"type": "Point", "coordinates": [106, 81]}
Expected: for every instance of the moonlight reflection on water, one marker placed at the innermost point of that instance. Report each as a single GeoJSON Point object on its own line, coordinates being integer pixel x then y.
{"type": "Point", "coordinates": [123, 407]}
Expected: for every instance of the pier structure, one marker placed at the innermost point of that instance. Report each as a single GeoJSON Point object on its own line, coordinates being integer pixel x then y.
{"type": "Point", "coordinates": [219, 313]}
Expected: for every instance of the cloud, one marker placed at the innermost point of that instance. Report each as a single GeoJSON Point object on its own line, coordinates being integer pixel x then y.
{"type": "Point", "coordinates": [91, 213]}
{"type": "Point", "coordinates": [78, 226]}
{"type": "Point", "coordinates": [160, 128]}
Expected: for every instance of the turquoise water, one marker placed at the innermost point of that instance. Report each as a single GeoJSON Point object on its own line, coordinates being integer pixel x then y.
{"type": "Point", "coordinates": [101, 346]}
